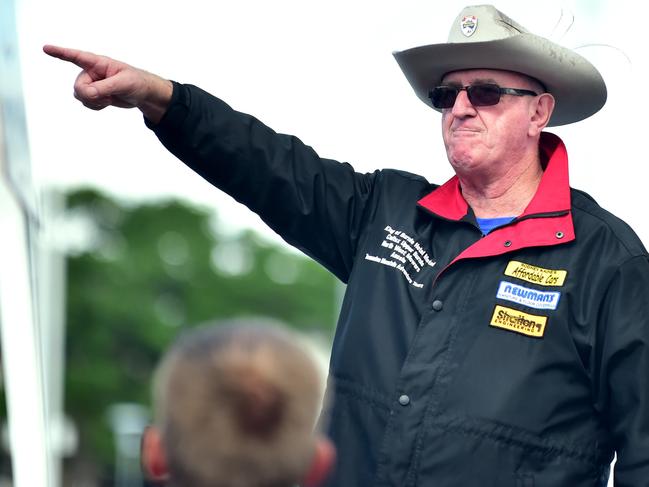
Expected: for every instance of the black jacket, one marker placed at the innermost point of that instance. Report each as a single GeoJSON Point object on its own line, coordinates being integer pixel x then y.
{"type": "Point", "coordinates": [520, 358]}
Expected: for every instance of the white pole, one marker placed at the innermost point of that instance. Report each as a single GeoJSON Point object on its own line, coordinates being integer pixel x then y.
{"type": "Point", "coordinates": [50, 270]}
{"type": "Point", "coordinates": [21, 350]}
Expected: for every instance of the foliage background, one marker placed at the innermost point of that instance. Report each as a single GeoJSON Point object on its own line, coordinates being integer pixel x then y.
{"type": "Point", "coordinates": [141, 273]}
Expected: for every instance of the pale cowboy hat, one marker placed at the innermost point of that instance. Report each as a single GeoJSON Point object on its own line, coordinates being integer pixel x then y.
{"type": "Point", "coordinates": [484, 37]}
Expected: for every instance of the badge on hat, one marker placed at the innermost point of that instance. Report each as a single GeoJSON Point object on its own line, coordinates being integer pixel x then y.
{"type": "Point", "coordinates": [468, 25]}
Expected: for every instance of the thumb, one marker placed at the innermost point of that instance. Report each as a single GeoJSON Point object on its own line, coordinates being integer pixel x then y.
{"type": "Point", "coordinates": [86, 92]}
{"type": "Point", "coordinates": [124, 89]}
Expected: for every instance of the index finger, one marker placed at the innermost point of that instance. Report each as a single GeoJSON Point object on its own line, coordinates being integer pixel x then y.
{"type": "Point", "coordinates": [85, 60]}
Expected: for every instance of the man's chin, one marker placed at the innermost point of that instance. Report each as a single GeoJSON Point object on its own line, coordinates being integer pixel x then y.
{"type": "Point", "coordinates": [463, 161]}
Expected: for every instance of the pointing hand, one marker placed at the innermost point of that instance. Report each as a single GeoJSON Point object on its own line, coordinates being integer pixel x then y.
{"type": "Point", "coordinates": [106, 82]}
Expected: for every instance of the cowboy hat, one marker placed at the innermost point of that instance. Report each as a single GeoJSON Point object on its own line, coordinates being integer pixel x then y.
{"type": "Point", "coordinates": [483, 37]}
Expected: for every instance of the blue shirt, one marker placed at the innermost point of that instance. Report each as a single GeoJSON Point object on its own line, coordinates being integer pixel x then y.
{"type": "Point", "coordinates": [488, 224]}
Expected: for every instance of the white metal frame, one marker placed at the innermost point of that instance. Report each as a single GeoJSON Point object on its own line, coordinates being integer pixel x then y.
{"type": "Point", "coordinates": [22, 346]}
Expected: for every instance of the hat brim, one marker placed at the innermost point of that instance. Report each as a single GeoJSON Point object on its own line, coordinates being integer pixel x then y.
{"type": "Point", "coordinates": [577, 86]}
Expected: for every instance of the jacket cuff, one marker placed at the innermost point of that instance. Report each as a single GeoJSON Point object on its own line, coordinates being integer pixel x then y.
{"type": "Point", "coordinates": [176, 112]}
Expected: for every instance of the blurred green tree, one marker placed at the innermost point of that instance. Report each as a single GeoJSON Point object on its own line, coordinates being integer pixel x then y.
{"type": "Point", "coordinates": [147, 271]}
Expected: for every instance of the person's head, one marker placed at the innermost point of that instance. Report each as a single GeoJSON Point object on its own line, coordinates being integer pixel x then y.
{"type": "Point", "coordinates": [236, 406]}
{"type": "Point", "coordinates": [476, 136]}
{"type": "Point", "coordinates": [487, 47]}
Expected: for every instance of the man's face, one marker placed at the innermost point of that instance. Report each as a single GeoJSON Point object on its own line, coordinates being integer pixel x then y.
{"type": "Point", "coordinates": [487, 140]}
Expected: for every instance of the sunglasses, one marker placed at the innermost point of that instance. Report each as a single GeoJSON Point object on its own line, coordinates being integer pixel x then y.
{"type": "Point", "coordinates": [480, 95]}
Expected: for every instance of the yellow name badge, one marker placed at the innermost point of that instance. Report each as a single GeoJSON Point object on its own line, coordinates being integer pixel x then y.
{"type": "Point", "coordinates": [535, 275]}
{"type": "Point", "coordinates": [519, 322]}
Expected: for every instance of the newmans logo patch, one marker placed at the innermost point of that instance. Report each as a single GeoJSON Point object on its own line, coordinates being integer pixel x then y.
{"type": "Point", "coordinates": [536, 275]}
{"type": "Point", "coordinates": [518, 322]}
{"type": "Point", "coordinates": [528, 297]}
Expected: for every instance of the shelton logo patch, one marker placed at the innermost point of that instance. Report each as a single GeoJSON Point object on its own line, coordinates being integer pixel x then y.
{"type": "Point", "coordinates": [528, 297]}
{"type": "Point", "coordinates": [518, 322]}
{"type": "Point", "coordinates": [535, 275]}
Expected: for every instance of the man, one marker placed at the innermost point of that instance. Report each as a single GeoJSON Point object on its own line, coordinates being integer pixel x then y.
{"type": "Point", "coordinates": [495, 329]}
{"type": "Point", "coordinates": [235, 406]}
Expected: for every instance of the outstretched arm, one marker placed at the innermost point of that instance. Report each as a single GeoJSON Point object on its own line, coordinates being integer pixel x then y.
{"type": "Point", "coordinates": [105, 82]}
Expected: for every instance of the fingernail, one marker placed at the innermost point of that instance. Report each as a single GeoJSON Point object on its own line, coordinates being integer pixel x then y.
{"type": "Point", "coordinates": [92, 92]}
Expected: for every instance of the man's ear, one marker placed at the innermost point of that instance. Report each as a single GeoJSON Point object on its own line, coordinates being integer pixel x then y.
{"type": "Point", "coordinates": [152, 455]}
{"type": "Point", "coordinates": [322, 464]}
{"type": "Point", "coordinates": [544, 106]}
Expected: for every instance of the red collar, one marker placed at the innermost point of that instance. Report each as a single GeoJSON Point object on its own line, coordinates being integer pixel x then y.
{"type": "Point", "coordinates": [545, 221]}
{"type": "Point", "coordinates": [553, 193]}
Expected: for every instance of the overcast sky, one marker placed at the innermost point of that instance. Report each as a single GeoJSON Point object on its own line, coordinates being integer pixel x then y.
{"type": "Point", "coordinates": [321, 70]}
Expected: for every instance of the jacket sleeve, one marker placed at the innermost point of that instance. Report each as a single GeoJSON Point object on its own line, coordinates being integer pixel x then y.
{"type": "Point", "coordinates": [622, 353]}
{"type": "Point", "coordinates": [315, 204]}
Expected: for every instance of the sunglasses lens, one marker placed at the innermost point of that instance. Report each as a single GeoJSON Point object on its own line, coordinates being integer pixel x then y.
{"type": "Point", "coordinates": [483, 95]}
{"type": "Point", "coordinates": [443, 96]}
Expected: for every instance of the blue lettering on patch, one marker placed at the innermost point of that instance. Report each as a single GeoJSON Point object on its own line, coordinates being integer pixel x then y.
{"type": "Point", "coordinates": [527, 296]}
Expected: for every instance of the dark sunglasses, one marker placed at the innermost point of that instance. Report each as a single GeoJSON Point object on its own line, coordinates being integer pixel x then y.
{"type": "Point", "coordinates": [480, 95]}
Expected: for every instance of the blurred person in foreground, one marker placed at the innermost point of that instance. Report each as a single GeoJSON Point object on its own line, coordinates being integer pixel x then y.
{"type": "Point", "coordinates": [236, 406]}
{"type": "Point", "coordinates": [495, 328]}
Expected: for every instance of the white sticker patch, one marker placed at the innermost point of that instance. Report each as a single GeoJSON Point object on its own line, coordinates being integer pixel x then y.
{"type": "Point", "coordinates": [468, 25]}
{"type": "Point", "coordinates": [528, 297]}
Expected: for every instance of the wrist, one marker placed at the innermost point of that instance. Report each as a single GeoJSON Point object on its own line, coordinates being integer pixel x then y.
{"type": "Point", "coordinates": [157, 99]}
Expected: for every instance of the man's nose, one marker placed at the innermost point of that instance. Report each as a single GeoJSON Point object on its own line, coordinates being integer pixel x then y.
{"type": "Point", "coordinates": [463, 106]}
